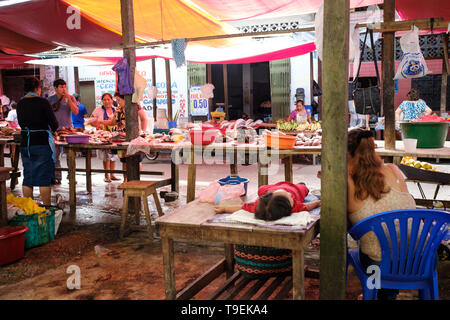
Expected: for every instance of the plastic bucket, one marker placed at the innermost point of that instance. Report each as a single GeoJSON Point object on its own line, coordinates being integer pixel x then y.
{"type": "Point", "coordinates": [410, 145]}
{"type": "Point", "coordinates": [428, 134]}
{"type": "Point", "coordinates": [12, 243]}
{"type": "Point", "coordinates": [172, 124]}
{"type": "Point", "coordinates": [234, 180]}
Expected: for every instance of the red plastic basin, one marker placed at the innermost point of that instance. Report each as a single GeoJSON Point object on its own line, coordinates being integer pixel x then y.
{"type": "Point", "coordinates": [12, 243]}
{"type": "Point", "coordinates": [203, 137]}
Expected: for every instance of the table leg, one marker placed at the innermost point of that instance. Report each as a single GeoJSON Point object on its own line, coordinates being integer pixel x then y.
{"type": "Point", "coordinates": [233, 165]}
{"type": "Point", "coordinates": [3, 205]}
{"type": "Point", "coordinates": [263, 171]}
{"type": "Point", "coordinates": [175, 176]}
{"type": "Point", "coordinates": [88, 170]}
{"type": "Point", "coordinates": [298, 274]}
{"type": "Point", "coordinates": [288, 176]}
{"type": "Point", "coordinates": [2, 155]}
{"type": "Point", "coordinates": [229, 258]}
{"type": "Point", "coordinates": [169, 271]}
{"type": "Point", "coordinates": [192, 168]}
{"type": "Point", "coordinates": [72, 186]}
{"type": "Point", "coordinates": [15, 165]}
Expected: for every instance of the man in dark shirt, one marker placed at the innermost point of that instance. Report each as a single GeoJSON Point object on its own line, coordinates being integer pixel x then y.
{"type": "Point", "coordinates": [37, 120]}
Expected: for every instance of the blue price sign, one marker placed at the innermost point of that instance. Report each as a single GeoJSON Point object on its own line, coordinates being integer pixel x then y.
{"type": "Point", "coordinates": [198, 106]}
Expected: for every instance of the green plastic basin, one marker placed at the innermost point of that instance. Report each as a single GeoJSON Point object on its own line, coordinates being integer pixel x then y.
{"type": "Point", "coordinates": [428, 134]}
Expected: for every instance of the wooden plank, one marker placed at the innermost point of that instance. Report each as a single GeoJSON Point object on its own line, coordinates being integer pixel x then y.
{"type": "Point", "coordinates": [237, 289]}
{"type": "Point", "coordinates": [439, 23]}
{"type": "Point", "coordinates": [202, 281]}
{"type": "Point", "coordinates": [169, 90]}
{"type": "Point", "coordinates": [311, 78]}
{"type": "Point", "coordinates": [227, 284]}
{"type": "Point", "coordinates": [153, 173]}
{"type": "Point", "coordinates": [283, 293]}
{"type": "Point", "coordinates": [388, 84]}
{"type": "Point", "coordinates": [445, 72]}
{"type": "Point", "coordinates": [254, 289]}
{"type": "Point", "coordinates": [271, 288]}
{"type": "Point", "coordinates": [169, 270]}
{"type": "Point", "coordinates": [333, 225]}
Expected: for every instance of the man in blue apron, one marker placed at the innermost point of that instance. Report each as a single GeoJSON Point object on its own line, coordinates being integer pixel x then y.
{"type": "Point", "coordinates": [37, 120]}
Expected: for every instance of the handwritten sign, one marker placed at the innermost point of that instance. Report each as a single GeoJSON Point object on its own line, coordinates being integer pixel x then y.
{"type": "Point", "coordinates": [198, 106]}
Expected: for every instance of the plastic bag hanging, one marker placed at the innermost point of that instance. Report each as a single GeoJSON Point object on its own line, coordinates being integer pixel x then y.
{"type": "Point", "coordinates": [124, 84]}
{"type": "Point", "coordinates": [413, 63]}
{"type": "Point", "coordinates": [178, 47]}
{"type": "Point", "coordinates": [318, 27]}
{"type": "Point", "coordinates": [152, 92]}
{"type": "Point", "coordinates": [139, 87]}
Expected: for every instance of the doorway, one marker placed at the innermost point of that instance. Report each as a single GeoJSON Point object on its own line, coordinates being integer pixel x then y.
{"type": "Point", "coordinates": [87, 95]}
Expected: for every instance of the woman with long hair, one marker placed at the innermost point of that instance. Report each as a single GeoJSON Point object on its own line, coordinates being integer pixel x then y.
{"type": "Point", "coordinates": [373, 187]}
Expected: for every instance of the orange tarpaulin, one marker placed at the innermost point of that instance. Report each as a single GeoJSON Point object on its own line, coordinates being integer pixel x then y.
{"type": "Point", "coordinates": [155, 19]}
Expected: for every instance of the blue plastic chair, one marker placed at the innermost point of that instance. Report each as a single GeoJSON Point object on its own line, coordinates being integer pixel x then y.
{"type": "Point", "coordinates": [404, 264]}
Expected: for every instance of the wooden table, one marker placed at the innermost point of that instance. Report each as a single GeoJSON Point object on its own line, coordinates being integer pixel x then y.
{"type": "Point", "coordinates": [189, 222]}
{"type": "Point", "coordinates": [121, 149]}
{"type": "Point", "coordinates": [399, 151]}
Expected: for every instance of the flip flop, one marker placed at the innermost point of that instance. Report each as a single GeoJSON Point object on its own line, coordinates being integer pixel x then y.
{"type": "Point", "coordinates": [107, 180]}
{"type": "Point", "coordinates": [115, 178]}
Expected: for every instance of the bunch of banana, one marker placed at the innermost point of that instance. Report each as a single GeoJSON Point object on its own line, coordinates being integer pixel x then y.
{"type": "Point", "coordinates": [409, 161]}
{"type": "Point", "coordinates": [287, 125]}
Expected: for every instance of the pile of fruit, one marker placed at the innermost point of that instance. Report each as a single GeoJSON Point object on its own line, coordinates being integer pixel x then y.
{"type": "Point", "coordinates": [409, 161]}
{"type": "Point", "coordinates": [295, 126]}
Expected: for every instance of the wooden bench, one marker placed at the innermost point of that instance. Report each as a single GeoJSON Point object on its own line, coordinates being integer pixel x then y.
{"type": "Point", "coordinates": [140, 189]}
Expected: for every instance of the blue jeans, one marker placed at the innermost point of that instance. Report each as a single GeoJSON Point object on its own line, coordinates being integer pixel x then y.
{"type": "Point", "coordinates": [382, 294]}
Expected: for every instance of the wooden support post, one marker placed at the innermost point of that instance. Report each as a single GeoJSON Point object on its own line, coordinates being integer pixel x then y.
{"type": "Point", "coordinates": [77, 79]}
{"type": "Point", "coordinates": [131, 112]}
{"type": "Point", "coordinates": [445, 72]}
{"type": "Point", "coordinates": [225, 89]}
{"type": "Point", "coordinates": [209, 80]}
{"type": "Point", "coordinates": [311, 78]}
{"type": "Point", "coordinates": [155, 107]}
{"type": "Point", "coordinates": [169, 270]}
{"type": "Point", "coordinates": [169, 90]}
{"type": "Point", "coordinates": [388, 89]}
{"type": "Point", "coordinates": [333, 222]}
{"type": "Point", "coordinates": [191, 180]}
{"type": "Point", "coordinates": [319, 81]}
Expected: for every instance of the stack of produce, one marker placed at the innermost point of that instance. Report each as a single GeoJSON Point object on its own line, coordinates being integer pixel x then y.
{"type": "Point", "coordinates": [431, 118]}
{"type": "Point", "coordinates": [409, 161]}
{"type": "Point", "coordinates": [25, 204]}
{"type": "Point", "coordinates": [295, 126]}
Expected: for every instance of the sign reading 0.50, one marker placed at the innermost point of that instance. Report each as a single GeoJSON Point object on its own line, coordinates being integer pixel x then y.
{"type": "Point", "coordinates": [198, 106]}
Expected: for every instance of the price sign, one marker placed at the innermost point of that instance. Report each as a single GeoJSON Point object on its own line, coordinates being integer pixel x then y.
{"type": "Point", "coordinates": [198, 106]}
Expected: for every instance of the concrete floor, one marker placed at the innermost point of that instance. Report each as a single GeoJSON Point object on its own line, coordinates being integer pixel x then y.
{"type": "Point", "coordinates": [103, 206]}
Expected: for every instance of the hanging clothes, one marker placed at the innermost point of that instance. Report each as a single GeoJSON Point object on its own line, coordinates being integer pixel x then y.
{"type": "Point", "coordinates": [124, 84]}
{"type": "Point", "coordinates": [178, 47]}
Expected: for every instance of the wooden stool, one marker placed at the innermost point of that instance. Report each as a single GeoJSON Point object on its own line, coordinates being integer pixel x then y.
{"type": "Point", "coordinates": [140, 189]}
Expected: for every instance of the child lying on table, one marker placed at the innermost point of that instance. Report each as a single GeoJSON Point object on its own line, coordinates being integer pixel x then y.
{"type": "Point", "coordinates": [275, 201]}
